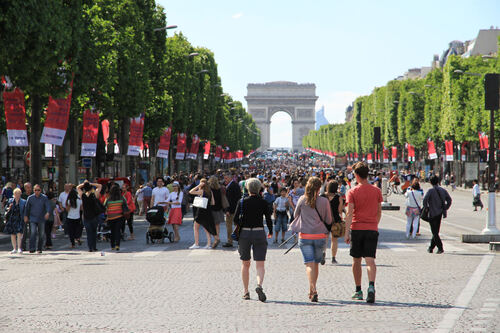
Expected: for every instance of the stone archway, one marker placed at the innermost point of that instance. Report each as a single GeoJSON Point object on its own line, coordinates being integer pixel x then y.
{"type": "Point", "coordinates": [298, 100]}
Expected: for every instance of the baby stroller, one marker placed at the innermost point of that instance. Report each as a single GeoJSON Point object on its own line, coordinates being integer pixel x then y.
{"type": "Point", "coordinates": [103, 229]}
{"type": "Point", "coordinates": [157, 229]}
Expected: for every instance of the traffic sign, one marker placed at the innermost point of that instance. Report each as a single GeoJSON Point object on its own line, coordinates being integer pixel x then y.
{"type": "Point", "coordinates": [87, 163]}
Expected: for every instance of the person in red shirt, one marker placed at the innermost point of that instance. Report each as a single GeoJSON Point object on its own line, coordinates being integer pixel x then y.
{"type": "Point", "coordinates": [363, 216]}
{"type": "Point", "coordinates": [127, 194]}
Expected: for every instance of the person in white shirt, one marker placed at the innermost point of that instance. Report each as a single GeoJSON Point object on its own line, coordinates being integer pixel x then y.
{"type": "Point", "coordinates": [476, 196]}
{"type": "Point", "coordinates": [414, 197]}
{"type": "Point", "coordinates": [280, 208]}
{"type": "Point", "coordinates": [160, 194]}
{"type": "Point", "coordinates": [63, 197]}
{"type": "Point", "coordinates": [175, 202]}
{"type": "Point", "coordinates": [73, 219]}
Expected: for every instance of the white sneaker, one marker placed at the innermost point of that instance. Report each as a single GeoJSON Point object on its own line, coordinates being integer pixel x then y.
{"type": "Point", "coordinates": [20, 251]}
{"type": "Point", "coordinates": [194, 246]}
{"type": "Point", "coordinates": [13, 251]}
{"type": "Point", "coordinates": [207, 247]}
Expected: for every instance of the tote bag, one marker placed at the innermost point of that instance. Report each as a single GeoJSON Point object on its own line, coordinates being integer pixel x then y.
{"type": "Point", "coordinates": [200, 202]}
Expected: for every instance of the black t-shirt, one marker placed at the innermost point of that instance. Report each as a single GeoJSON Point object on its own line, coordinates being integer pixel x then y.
{"type": "Point", "coordinates": [334, 206]}
{"type": "Point", "coordinates": [90, 209]}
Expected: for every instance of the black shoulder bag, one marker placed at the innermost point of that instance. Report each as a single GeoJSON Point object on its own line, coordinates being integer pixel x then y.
{"type": "Point", "coordinates": [424, 212]}
{"type": "Point", "coordinates": [236, 233]}
{"type": "Point", "coordinates": [327, 226]}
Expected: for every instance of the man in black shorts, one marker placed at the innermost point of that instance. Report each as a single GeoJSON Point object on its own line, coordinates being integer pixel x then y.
{"type": "Point", "coordinates": [363, 216]}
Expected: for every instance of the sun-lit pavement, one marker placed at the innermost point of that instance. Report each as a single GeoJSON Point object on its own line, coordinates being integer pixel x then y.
{"type": "Point", "coordinates": [168, 288]}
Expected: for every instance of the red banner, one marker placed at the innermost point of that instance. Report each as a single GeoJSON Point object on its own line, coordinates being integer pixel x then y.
{"type": "Point", "coordinates": [448, 145]}
{"type": "Point", "coordinates": [385, 154]}
{"type": "Point", "coordinates": [206, 150]}
{"type": "Point", "coordinates": [195, 145]}
{"type": "Point", "coordinates": [164, 146]}
{"type": "Point", "coordinates": [181, 146]}
{"type": "Point", "coordinates": [463, 151]}
{"type": "Point", "coordinates": [411, 152]}
{"type": "Point", "coordinates": [431, 149]}
{"type": "Point", "coordinates": [394, 154]}
{"type": "Point", "coordinates": [218, 153]}
{"type": "Point", "coordinates": [90, 131]}
{"type": "Point", "coordinates": [15, 116]}
{"type": "Point", "coordinates": [369, 159]}
{"type": "Point", "coordinates": [135, 143]}
{"type": "Point", "coordinates": [483, 141]}
{"type": "Point", "coordinates": [56, 122]}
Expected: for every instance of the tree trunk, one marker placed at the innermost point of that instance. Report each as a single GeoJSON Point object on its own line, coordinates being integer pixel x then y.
{"type": "Point", "coordinates": [61, 166]}
{"type": "Point", "coordinates": [124, 136]}
{"type": "Point", "coordinates": [73, 147]}
{"type": "Point", "coordinates": [36, 158]}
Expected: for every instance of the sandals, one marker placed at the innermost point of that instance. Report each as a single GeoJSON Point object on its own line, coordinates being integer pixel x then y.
{"type": "Point", "coordinates": [217, 242]}
{"type": "Point", "coordinates": [260, 292]}
{"type": "Point", "coordinates": [313, 297]}
{"type": "Point", "coordinates": [246, 296]}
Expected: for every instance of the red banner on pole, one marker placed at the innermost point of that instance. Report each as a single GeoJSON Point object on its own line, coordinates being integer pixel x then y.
{"type": "Point", "coordinates": [15, 116]}
{"type": "Point", "coordinates": [164, 146]}
{"type": "Point", "coordinates": [90, 131]}
{"type": "Point", "coordinates": [431, 149]}
{"type": "Point", "coordinates": [135, 140]}
{"type": "Point", "coordinates": [218, 153]}
{"type": "Point", "coordinates": [195, 145]}
{"type": "Point", "coordinates": [385, 154]}
{"type": "Point", "coordinates": [394, 154]}
{"type": "Point", "coordinates": [448, 145]}
{"type": "Point", "coordinates": [369, 159]}
{"type": "Point", "coordinates": [411, 152]}
{"type": "Point", "coordinates": [206, 150]}
{"type": "Point", "coordinates": [56, 122]}
{"type": "Point", "coordinates": [181, 146]}
{"type": "Point", "coordinates": [483, 141]}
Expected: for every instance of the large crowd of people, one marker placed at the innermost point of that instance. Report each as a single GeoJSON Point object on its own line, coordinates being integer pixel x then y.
{"type": "Point", "coordinates": [313, 203]}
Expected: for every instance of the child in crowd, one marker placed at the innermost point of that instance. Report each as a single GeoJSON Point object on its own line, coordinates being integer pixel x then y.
{"type": "Point", "coordinates": [280, 215]}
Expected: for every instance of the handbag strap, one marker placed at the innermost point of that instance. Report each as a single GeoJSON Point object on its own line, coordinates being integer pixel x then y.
{"type": "Point", "coordinates": [442, 201]}
{"type": "Point", "coordinates": [326, 225]}
{"type": "Point", "coordinates": [241, 213]}
{"type": "Point", "coordinates": [415, 200]}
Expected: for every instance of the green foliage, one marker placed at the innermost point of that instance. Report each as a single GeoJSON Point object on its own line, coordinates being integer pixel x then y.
{"type": "Point", "coordinates": [445, 105]}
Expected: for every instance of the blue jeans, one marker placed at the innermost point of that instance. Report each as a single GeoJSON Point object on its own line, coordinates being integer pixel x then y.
{"type": "Point", "coordinates": [280, 224]}
{"type": "Point", "coordinates": [40, 227]}
{"type": "Point", "coordinates": [312, 249]}
{"type": "Point", "coordinates": [91, 228]}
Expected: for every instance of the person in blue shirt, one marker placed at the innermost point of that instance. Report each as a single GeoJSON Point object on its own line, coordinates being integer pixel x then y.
{"type": "Point", "coordinates": [36, 213]}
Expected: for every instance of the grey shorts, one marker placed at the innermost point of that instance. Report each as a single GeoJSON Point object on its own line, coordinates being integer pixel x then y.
{"type": "Point", "coordinates": [252, 240]}
{"type": "Point", "coordinates": [218, 216]}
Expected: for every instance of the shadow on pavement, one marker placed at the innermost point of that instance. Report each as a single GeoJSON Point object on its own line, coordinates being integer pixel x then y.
{"type": "Point", "coordinates": [320, 303]}
{"type": "Point", "coordinates": [393, 304]}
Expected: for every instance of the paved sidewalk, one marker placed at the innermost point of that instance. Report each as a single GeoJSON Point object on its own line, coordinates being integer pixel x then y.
{"type": "Point", "coordinates": [169, 288]}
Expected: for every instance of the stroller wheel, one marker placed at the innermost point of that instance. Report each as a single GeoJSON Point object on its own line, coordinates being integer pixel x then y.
{"type": "Point", "coordinates": [171, 237]}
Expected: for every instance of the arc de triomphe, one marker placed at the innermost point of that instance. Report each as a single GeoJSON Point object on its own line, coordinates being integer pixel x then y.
{"type": "Point", "coordinates": [298, 100]}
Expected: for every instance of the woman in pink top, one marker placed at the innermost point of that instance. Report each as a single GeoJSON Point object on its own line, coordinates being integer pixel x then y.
{"type": "Point", "coordinates": [312, 214]}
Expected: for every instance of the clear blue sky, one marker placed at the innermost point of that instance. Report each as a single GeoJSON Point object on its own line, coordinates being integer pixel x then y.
{"type": "Point", "coordinates": [345, 47]}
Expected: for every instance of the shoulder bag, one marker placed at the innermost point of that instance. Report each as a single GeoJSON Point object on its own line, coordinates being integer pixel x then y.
{"type": "Point", "coordinates": [236, 233]}
{"type": "Point", "coordinates": [126, 211]}
{"type": "Point", "coordinates": [424, 213]}
{"type": "Point", "coordinates": [200, 202]}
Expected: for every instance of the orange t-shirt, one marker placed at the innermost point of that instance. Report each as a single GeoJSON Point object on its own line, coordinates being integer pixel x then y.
{"type": "Point", "coordinates": [366, 199]}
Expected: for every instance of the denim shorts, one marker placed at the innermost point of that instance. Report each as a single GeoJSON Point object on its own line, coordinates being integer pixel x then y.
{"type": "Point", "coordinates": [312, 249]}
{"type": "Point", "coordinates": [280, 224]}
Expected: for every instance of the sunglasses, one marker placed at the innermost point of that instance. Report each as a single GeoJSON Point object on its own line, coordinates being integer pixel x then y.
{"type": "Point", "coordinates": [37, 190]}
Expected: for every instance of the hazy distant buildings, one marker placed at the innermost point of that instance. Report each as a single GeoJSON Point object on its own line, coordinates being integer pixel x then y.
{"type": "Point", "coordinates": [320, 118]}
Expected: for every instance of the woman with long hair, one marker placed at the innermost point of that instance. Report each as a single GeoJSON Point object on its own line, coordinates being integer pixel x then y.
{"type": "Point", "coordinates": [217, 211]}
{"type": "Point", "coordinates": [203, 216]}
{"type": "Point", "coordinates": [337, 207]}
{"type": "Point", "coordinates": [312, 214]}
{"type": "Point", "coordinates": [116, 207]}
{"type": "Point", "coordinates": [73, 219]}
{"type": "Point", "coordinates": [92, 208]}
{"type": "Point", "coordinates": [174, 199]}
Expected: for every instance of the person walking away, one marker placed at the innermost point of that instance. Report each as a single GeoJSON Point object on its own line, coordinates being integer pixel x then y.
{"type": "Point", "coordinates": [249, 215]}
{"type": "Point", "coordinates": [217, 211]}
{"type": "Point", "coordinates": [312, 214]}
{"type": "Point", "coordinates": [175, 217]}
{"type": "Point", "coordinates": [233, 194]}
{"type": "Point", "coordinates": [73, 219]}
{"type": "Point", "coordinates": [14, 225]}
{"type": "Point", "coordinates": [116, 207]}
{"type": "Point", "coordinates": [336, 201]}
{"type": "Point", "coordinates": [363, 216]}
{"type": "Point", "coordinates": [438, 201]}
{"type": "Point", "coordinates": [147, 191]}
{"type": "Point", "coordinates": [127, 194]}
{"type": "Point", "coordinates": [476, 196]}
{"type": "Point", "coordinates": [36, 212]}
{"type": "Point", "coordinates": [413, 206]}
{"type": "Point", "coordinates": [49, 224]}
{"type": "Point", "coordinates": [452, 182]}
{"type": "Point", "coordinates": [203, 216]}
{"type": "Point", "coordinates": [63, 197]}
{"type": "Point", "coordinates": [280, 208]}
{"type": "Point", "coordinates": [139, 196]}
{"type": "Point", "coordinates": [92, 208]}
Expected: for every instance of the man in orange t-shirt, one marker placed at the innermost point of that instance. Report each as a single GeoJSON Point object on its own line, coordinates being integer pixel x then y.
{"type": "Point", "coordinates": [363, 216]}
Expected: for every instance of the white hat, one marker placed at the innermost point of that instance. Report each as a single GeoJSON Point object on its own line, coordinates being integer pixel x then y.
{"type": "Point", "coordinates": [176, 183]}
